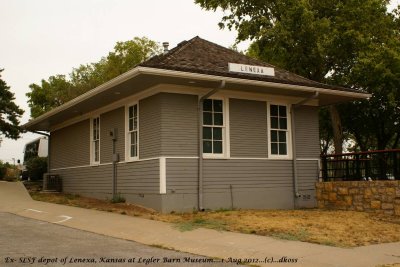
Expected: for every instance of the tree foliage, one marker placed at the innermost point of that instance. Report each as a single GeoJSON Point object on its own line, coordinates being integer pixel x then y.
{"type": "Point", "coordinates": [350, 43]}
{"type": "Point", "coordinates": [36, 167]}
{"type": "Point", "coordinates": [59, 89]}
{"type": "Point", "coordinates": [10, 113]}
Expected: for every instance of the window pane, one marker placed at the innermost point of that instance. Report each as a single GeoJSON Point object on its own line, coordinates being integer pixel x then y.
{"type": "Point", "coordinates": [282, 111]}
{"type": "Point", "coordinates": [207, 105]}
{"type": "Point", "coordinates": [274, 110]}
{"type": "Point", "coordinates": [207, 118]}
{"type": "Point", "coordinates": [96, 151]}
{"type": "Point", "coordinates": [282, 149]}
{"type": "Point", "coordinates": [283, 123]}
{"type": "Point", "coordinates": [207, 133]}
{"type": "Point", "coordinates": [130, 112]}
{"type": "Point", "coordinates": [135, 110]}
{"type": "Point", "coordinates": [274, 148]}
{"type": "Point", "coordinates": [130, 124]}
{"type": "Point", "coordinates": [207, 147]}
{"type": "Point", "coordinates": [274, 136]}
{"type": "Point", "coordinates": [217, 147]}
{"type": "Point", "coordinates": [217, 104]}
{"type": "Point", "coordinates": [133, 151]}
{"type": "Point", "coordinates": [274, 123]}
{"type": "Point", "coordinates": [218, 119]}
{"type": "Point", "coordinates": [135, 123]}
{"type": "Point", "coordinates": [217, 133]}
{"type": "Point", "coordinates": [282, 136]}
{"type": "Point", "coordinates": [133, 138]}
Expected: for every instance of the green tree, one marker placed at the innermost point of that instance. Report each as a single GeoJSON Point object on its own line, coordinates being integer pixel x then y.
{"type": "Point", "coordinates": [10, 113]}
{"type": "Point", "coordinates": [321, 40]}
{"type": "Point", "coordinates": [36, 167]}
{"type": "Point", "coordinates": [376, 123]}
{"type": "Point", "coordinates": [59, 89]}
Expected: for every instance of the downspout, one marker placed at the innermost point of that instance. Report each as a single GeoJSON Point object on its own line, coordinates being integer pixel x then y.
{"type": "Point", "coordinates": [295, 177]}
{"type": "Point", "coordinates": [200, 128]}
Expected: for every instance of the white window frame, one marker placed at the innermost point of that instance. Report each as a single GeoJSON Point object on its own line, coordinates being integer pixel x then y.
{"type": "Point", "coordinates": [93, 160]}
{"type": "Point", "coordinates": [288, 131]}
{"type": "Point", "coordinates": [225, 130]}
{"type": "Point", "coordinates": [128, 156]}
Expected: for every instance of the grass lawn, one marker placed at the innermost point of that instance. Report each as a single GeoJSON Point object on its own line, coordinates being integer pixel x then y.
{"type": "Point", "coordinates": [335, 228]}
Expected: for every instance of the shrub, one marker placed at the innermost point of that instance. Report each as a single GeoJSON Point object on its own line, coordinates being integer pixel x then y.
{"type": "Point", "coordinates": [118, 199]}
{"type": "Point", "coordinates": [36, 167]}
{"type": "Point", "coordinates": [3, 170]}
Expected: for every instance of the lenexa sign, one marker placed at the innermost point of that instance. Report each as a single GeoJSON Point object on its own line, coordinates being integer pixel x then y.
{"type": "Point", "coordinates": [249, 69]}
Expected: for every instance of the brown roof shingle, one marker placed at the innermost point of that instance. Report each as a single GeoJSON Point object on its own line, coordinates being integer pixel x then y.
{"type": "Point", "coordinates": [201, 56]}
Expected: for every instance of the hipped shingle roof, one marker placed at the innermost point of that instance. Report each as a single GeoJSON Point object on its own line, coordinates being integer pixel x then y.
{"type": "Point", "coordinates": [201, 56]}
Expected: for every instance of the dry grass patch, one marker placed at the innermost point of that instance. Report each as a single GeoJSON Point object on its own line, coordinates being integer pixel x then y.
{"type": "Point", "coordinates": [92, 203]}
{"type": "Point", "coordinates": [336, 228]}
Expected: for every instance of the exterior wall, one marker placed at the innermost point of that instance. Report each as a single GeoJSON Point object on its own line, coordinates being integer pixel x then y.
{"type": "Point", "coordinates": [307, 152]}
{"type": "Point", "coordinates": [370, 196]}
{"type": "Point", "coordinates": [168, 125]}
{"type": "Point", "coordinates": [168, 128]}
{"type": "Point", "coordinates": [70, 146]}
{"type": "Point", "coordinates": [138, 182]}
{"type": "Point", "coordinates": [307, 132]}
{"type": "Point", "coordinates": [150, 127]}
{"type": "Point", "coordinates": [90, 181]}
{"type": "Point", "coordinates": [108, 121]}
{"type": "Point", "coordinates": [179, 125]}
{"type": "Point", "coordinates": [248, 128]}
{"type": "Point", "coordinates": [257, 184]}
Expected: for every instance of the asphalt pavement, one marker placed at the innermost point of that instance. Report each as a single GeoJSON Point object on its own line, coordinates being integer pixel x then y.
{"type": "Point", "coordinates": [29, 242]}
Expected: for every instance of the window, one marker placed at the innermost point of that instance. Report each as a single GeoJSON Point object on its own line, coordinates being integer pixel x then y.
{"type": "Point", "coordinates": [278, 119]}
{"type": "Point", "coordinates": [213, 127]}
{"type": "Point", "coordinates": [95, 140]}
{"type": "Point", "coordinates": [133, 127]}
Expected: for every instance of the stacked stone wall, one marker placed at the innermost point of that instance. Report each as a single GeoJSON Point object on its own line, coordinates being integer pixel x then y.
{"type": "Point", "coordinates": [369, 196]}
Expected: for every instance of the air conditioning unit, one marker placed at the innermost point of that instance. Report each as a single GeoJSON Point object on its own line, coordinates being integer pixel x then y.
{"type": "Point", "coordinates": [52, 183]}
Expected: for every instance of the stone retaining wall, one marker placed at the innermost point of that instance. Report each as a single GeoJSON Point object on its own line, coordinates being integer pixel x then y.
{"type": "Point", "coordinates": [375, 196]}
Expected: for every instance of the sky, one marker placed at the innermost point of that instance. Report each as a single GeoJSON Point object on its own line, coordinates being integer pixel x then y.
{"type": "Point", "coordinates": [47, 37]}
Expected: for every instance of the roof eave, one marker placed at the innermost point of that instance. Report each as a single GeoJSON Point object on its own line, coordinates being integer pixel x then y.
{"type": "Point", "coordinates": [188, 75]}
{"type": "Point", "coordinates": [101, 88]}
{"type": "Point", "coordinates": [208, 77]}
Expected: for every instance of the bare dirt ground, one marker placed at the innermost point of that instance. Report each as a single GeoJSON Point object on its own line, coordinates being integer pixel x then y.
{"type": "Point", "coordinates": [335, 228]}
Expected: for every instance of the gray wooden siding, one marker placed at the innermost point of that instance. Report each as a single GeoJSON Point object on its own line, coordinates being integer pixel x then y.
{"type": "Point", "coordinates": [95, 181]}
{"type": "Point", "coordinates": [246, 175]}
{"type": "Point", "coordinates": [108, 121]}
{"type": "Point", "coordinates": [179, 125]}
{"type": "Point", "coordinates": [255, 183]}
{"type": "Point", "coordinates": [168, 125]}
{"type": "Point", "coordinates": [248, 128]}
{"type": "Point", "coordinates": [307, 132]}
{"type": "Point", "coordinates": [220, 174]}
{"type": "Point", "coordinates": [150, 127]}
{"type": "Point", "coordinates": [307, 174]}
{"type": "Point", "coordinates": [142, 177]}
{"type": "Point", "coordinates": [307, 177]}
{"type": "Point", "coordinates": [182, 175]}
{"type": "Point", "coordinates": [70, 146]}
{"type": "Point", "coordinates": [133, 179]}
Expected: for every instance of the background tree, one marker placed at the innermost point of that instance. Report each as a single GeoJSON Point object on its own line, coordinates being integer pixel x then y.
{"type": "Point", "coordinates": [10, 113]}
{"type": "Point", "coordinates": [321, 40]}
{"type": "Point", "coordinates": [59, 89]}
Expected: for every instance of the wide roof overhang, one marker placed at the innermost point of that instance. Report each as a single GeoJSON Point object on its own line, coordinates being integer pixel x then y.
{"type": "Point", "coordinates": [142, 78]}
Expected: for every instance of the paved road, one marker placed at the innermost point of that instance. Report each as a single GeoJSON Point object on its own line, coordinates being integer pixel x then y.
{"type": "Point", "coordinates": [24, 241]}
